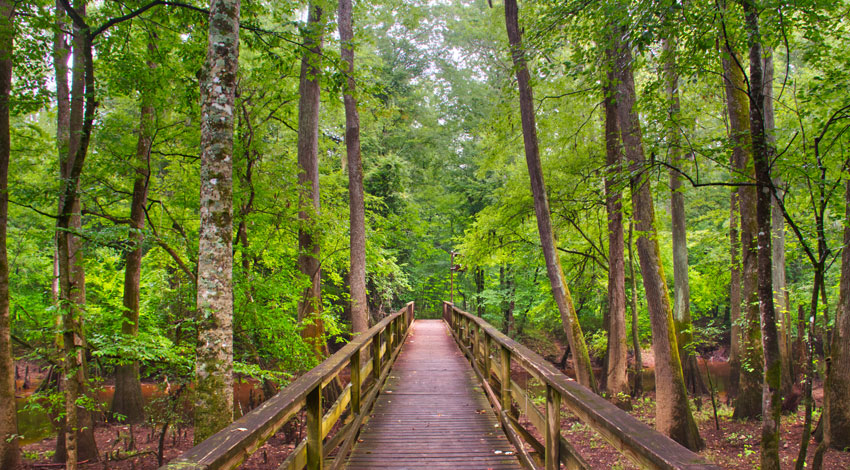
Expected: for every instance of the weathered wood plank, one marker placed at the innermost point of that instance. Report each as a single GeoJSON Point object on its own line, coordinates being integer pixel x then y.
{"type": "Point", "coordinates": [431, 412]}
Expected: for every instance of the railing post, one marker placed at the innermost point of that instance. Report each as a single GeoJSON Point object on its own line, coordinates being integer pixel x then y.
{"type": "Point", "coordinates": [553, 428]}
{"type": "Point", "coordinates": [476, 346]}
{"type": "Point", "coordinates": [356, 382]}
{"type": "Point", "coordinates": [376, 356]}
{"type": "Point", "coordinates": [486, 357]}
{"type": "Point", "coordinates": [314, 429]}
{"type": "Point", "coordinates": [505, 379]}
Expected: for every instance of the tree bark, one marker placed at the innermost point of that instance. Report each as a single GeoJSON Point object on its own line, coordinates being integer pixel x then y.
{"type": "Point", "coordinates": [9, 452]}
{"type": "Point", "coordinates": [309, 307]}
{"type": "Point", "coordinates": [638, 386]}
{"type": "Point", "coordinates": [771, 392]}
{"type": "Point", "coordinates": [617, 380]}
{"type": "Point", "coordinates": [356, 205]}
{"type": "Point", "coordinates": [673, 414]}
{"type": "Point", "coordinates": [214, 355]}
{"type": "Point", "coordinates": [75, 441]}
{"type": "Point", "coordinates": [128, 400]}
{"type": "Point", "coordinates": [560, 291]}
{"type": "Point", "coordinates": [780, 296]}
{"type": "Point", "coordinates": [746, 360]}
{"type": "Point", "coordinates": [681, 286]}
{"type": "Point", "coordinates": [837, 423]}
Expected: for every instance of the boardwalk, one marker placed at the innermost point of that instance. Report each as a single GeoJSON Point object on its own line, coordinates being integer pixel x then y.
{"type": "Point", "coordinates": [432, 413]}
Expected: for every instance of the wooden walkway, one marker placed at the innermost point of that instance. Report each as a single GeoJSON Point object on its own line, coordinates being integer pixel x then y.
{"type": "Point", "coordinates": [432, 413]}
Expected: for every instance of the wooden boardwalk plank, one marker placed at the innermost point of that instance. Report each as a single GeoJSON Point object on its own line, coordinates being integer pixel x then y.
{"type": "Point", "coordinates": [432, 412]}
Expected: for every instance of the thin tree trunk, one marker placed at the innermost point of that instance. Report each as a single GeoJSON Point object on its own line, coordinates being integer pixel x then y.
{"type": "Point", "coordinates": [617, 379]}
{"type": "Point", "coordinates": [356, 205]}
{"type": "Point", "coordinates": [673, 414]}
{"type": "Point", "coordinates": [771, 393]}
{"type": "Point", "coordinates": [9, 452]}
{"type": "Point", "coordinates": [560, 291]}
{"type": "Point", "coordinates": [76, 440]}
{"type": "Point", "coordinates": [780, 296]}
{"type": "Point", "coordinates": [638, 388]}
{"type": "Point", "coordinates": [309, 307]}
{"type": "Point", "coordinates": [746, 359]}
{"type": "Point", "coordinates": [128, 400]}
{"type": "Point", "coordinates": [837, 424]}
{"type": "Point", "coordinates": [214, 354]}
{"type": "Point", "coordinates": [681, 286]}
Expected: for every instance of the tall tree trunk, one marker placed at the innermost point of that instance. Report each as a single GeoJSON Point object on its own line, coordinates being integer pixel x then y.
{"type": "Point", "coordinates": [309, 307]}
{"type": "Point", "coordinates": [76, 440]}
{"type": "Point", "coordinates": [681, 286]}
{"type": "Point", "coordinates": [837, 423]}
{"type": "Point", "coordinates": [780, 296]}
{"type": "Point", "coordinates": [560, 291]}
{"type": "Point", "coordinates": [356, 205]}
{"type": "Point", "coordinates": [617, 380]}
{"type": "Point", "coordinates": [771, 393]}
{"type": "Point", "coordinates": [214, 361]}
{"type": "Point", "coordinates": [638, 388]}
{"type": "Point", "coordinates": [9, 452]}
{"type": "Point", "coordinates": [747, 358]}
{"type": "Point", "coordinates": [673, 414]}
{"type": "Point", "coordinates": [128, 400]}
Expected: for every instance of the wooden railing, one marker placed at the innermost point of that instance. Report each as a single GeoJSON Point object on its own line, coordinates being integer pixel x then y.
{"type": "Point", "coordinates": [492, 353]}
{"type": "Point", "coordinates": [229, 447]}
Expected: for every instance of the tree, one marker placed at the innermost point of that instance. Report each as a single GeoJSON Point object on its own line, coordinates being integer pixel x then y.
{"type": "Point", "coordinates": [673, 414]}
{"type": "Point", "coordinates": [357, 210]}
{"type": "Point", "coordinates": [9, 452]}
{"type": "Point", "coordinates": [309, 249]}
{"type": "Point", "coordinates": [76, 440]}
{"type": "Point", "coordinates": [748, 356]}
{"type": "Point", "coordinates": [771, 392]}
{"type": "Point", "coordinates": [617, 381]}
{"type": "Point", "coordinates": [128, 400]}
{"type": "Point", "coordinates": [681, 286]}
{"type": "Point", "coordinates": [837, 422]}
{"type": "Point", "coordinates": [214, 362]}
{"type": "Point", "coordinates": [560, 291]}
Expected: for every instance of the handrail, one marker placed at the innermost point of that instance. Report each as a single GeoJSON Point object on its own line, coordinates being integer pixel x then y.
{"type": "Point", "coordinates": [228, 448]}
{"type": "Point", "coordinates": [640, 443]}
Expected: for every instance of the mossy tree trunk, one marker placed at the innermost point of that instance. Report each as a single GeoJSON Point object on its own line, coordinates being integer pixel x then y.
{"type": "Point", "coordinates": [9, 452]}
{"type": "Point", "coordinates": [746, 359]}
{"type": "Point", "coordinates": [560, 291]}
{"type": "Point", "coordinates": [673, 415]}
{"type": "Point", "coordinates": [214, 354]}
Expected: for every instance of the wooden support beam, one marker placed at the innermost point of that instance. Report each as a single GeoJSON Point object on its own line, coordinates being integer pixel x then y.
{"type": "Point", "coordinates": [314, 429]}
{"type": "Point", "coordinates": [553, 428]}
{"type": "Point", "coordinates": [505, 379]}
{"type": "Point", "coordinates": [356, 382]}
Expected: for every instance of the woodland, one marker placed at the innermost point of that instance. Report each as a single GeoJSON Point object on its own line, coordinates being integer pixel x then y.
{"type": "Point", "coordinates": [197, 196]}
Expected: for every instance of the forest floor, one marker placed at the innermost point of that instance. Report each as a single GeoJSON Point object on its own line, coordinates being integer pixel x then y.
{"type": "Point", "coordinates": [734, 446]}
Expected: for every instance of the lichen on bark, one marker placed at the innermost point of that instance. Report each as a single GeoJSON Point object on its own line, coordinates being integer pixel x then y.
{"type": "Point", "coordinates": [214, 366]}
